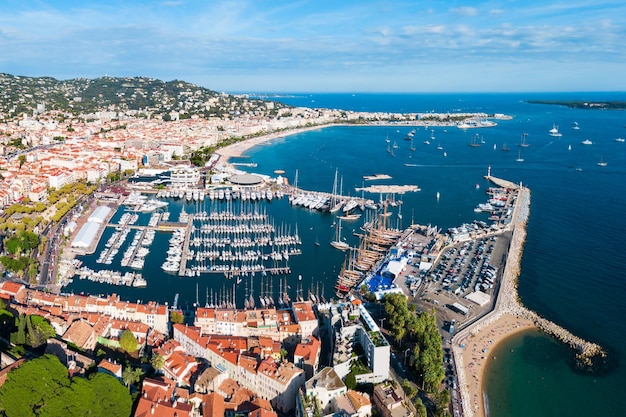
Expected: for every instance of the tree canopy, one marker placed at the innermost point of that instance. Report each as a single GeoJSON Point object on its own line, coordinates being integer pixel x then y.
{"type": "Point", "coordinates": [421, 330]}
{"type": "Point", "coordinates": [32, 330]}
{"type": "Point", "coordinates": [128, 341]}
{"type": "Point", "coordinates": [42, 387]}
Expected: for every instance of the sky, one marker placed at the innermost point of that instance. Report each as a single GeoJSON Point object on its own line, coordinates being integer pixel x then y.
{"type": "Point", "coordinates": [324, 46]}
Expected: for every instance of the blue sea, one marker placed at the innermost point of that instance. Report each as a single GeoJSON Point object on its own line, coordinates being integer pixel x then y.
{"type": "Point", "coordinates": [572, 271]}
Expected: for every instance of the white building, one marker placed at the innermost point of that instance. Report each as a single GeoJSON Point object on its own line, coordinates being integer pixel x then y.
{"type": "Point", "coordinates": [184, 177]}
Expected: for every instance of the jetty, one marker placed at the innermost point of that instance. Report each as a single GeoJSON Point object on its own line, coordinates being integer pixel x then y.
{"type": "Point", "coordinates": [508, 303]}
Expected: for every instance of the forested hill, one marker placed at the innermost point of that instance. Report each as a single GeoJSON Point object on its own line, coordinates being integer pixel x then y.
{"type": "Point", "coordinates": [22, 95]}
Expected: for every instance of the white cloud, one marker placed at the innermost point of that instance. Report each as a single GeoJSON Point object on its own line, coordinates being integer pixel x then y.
{"type": "Point", "coordinates": [464, 11]}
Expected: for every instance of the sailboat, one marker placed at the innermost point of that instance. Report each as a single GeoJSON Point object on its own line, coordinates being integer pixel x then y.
{"type": "Point", "coordinates": [505, 148]}
{"type": "Point", "coordinates": [519, 156]}
{"type": "Point", "coordinates": [412, 147]}
{"type": "Point", "coordinates": [338, 243]}
{"type": "Point", "coordinates": [523, 143]}
{"type": "Point", "coordinates": [336, 203]}
{"type": "Point", "coordinates": [602, 163]}
{"type": "Point", "coordinates": [473, 143]}
{"type": "Point", "coordinates": [575, 126]}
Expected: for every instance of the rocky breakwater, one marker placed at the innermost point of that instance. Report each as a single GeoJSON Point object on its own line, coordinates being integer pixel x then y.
{"type": "Point", "coordinates": [590, 357]}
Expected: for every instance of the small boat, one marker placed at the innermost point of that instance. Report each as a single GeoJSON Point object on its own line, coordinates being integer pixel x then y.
{"type": "Point", "coordinates": [439, 147]}
{"type": "Point", "coordinates": [586, 142]}
{"type": "Point", "coordinates": [602, 163]}
{"type": "Point", "coordinates": [575, 126]}
{"type": "Point", "coordinates": [519, 157]}
{"type": "Point", "coordinates": [569, 147]}
{"type": "Point", "coordinates": [619, 140]}
{"type": "Point", "coordinates": [505, 148]}
{"type": "Point", "coordinates": [555, 131]}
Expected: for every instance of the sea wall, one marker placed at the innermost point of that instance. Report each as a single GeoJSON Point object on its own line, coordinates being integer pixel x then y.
{"type": "Point", "coordinates": [507, 302]}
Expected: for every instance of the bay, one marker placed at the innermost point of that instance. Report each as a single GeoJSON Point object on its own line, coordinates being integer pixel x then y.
{"type": "Point", "coordinates": [573, 262]}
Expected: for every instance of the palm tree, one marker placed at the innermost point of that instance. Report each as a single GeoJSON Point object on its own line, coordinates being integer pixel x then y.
{"type": "Point", "coordinates": [131, 375]}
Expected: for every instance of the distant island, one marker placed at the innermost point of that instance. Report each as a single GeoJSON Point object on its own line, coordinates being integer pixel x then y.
{"type": "Point", "coordinates": [598, 105]}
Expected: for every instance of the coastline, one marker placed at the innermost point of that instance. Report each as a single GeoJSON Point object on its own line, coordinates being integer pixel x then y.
{"type": "Point", "coordinates": [237, 149]}
{"type": "Point", "coordinates": [471, 346]}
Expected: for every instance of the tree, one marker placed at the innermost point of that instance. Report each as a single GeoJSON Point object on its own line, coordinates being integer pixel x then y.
{"type": "Point", "coordinates": [420, 407]}
{"type": "Point", "coordinates": [22, 159]}
{"type": "Point", "coordinates": [128, 341]}
{"type": "Point", "coordinates": [42, 387]}
{"type": "Point", "coordinates": [409, 389]}
{"type": "Point", "coordinates": [177, 317]}
{"type": "Point", "coordinates": [131, 375]}
{"type": "Point", "coordinates": [350, 381]}
{"type": "Point", "coordinates": [157, 362]}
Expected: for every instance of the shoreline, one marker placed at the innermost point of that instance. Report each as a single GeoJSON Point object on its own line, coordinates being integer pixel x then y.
{"type": "Point", "coordinates": [471, 346]}
{"type": "Point", "coordinates": [237, 149]}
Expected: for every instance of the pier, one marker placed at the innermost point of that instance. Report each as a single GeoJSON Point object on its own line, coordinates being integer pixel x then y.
{"type": "Point", "coordinates": [508, 304]}
{"type": "Point", "coordinates": [183, 258]}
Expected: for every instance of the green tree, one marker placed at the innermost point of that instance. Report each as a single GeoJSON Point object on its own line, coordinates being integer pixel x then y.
{"type": "Point", "coordinates": [420, 407]}
{"type": "Point", "coordinates": [409, 389]}
{"type": "Point", "coordinates": [177, 317]}
{"type": "Point", "coordinates": [350, 381]}
{"type": "Point", "coordinates": [22, 159]}
{"type": "Point", "coordinates": [131, 375]}
{"type": "Point", "coordinates": [128, 341]}
{"type": "Point", "coordinates": [157, 362]}
{"type": "Point", "coordinates": [41, 387]}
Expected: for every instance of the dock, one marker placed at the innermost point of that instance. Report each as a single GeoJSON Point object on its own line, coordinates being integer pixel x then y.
{"type": "Point", "coordinates": [183, 259]}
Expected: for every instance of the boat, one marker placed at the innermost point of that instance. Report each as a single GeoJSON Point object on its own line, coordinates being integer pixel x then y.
{"type": "Point", "coordinates": [523, 143]}
{"type": "Point", "coordinates": [473, 143]}
{"type": "Point", "coordinates": [519, 156]}
{"type": "Point", "coordinates": [619, 140]}
{"type": "Point", "coordinates": [555, 131]}
{"type": "Point", "coordinates": [409, 136]}
{"type": "Point", "coordinates": [586, 142]}
{"type": "Point", "coordinates": [575, 126]}
{"type": "Point", "coordinates": [338, 243]}
{"type": "Point", "coordinates": [602, 163]}
{"type": "Point", "coordinates": [439, 147]}
{"type": "Point", "coordinates": [569, 147]}
{"type": "Point", "coordinates": [350, 216]}
{"type": "Point", "coordinates": [505, 148]}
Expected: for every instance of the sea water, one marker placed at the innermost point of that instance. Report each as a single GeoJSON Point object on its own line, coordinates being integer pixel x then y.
{"type": "Point", "coordinates": [572, 267]}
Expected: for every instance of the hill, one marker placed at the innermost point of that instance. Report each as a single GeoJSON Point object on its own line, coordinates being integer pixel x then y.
{"type": "Point", "coordinates": [29, 95]}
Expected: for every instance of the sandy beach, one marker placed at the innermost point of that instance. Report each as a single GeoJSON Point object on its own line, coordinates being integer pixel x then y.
{"type": "Point", "coordinates": [472, 345]}
{"type": "Point", "coordinates": [237, 149]}
{"type": "Point", "coordinates": [475, 352]}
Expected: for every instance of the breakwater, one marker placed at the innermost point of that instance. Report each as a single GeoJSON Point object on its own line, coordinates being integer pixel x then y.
{"type": "Point", "coordinates": [588, 355]}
